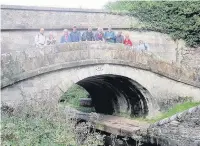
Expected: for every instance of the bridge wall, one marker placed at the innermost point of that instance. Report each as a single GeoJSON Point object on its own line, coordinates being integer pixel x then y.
{"type": "Point", "coordinates": [20, 24]}
{"type": "Point", "coordinates": [48, 72]}
{"type": "Point", "coordinates": [160, 44]}
{"type": "Point", "coordinates": [23, 64]}
{"type": "Point", "coordinates": [24, 17]}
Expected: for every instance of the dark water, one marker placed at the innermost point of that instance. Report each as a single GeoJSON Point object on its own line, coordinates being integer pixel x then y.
{"type": "Point", "coordinates": [120, 141]}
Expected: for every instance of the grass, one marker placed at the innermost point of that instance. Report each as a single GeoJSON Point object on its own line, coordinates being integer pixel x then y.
{"type": "Point", "coordinates": [35, 131]}
{"type": "Point", "coordinates": [73, 95]}
{"type": "Point", "coordinates": [42, 123]}
{"type": "Point", "coordinates": [176, 109]}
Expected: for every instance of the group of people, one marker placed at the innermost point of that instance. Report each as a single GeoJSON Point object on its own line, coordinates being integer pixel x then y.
{"type": "Point", "coordinates": [89, 35]}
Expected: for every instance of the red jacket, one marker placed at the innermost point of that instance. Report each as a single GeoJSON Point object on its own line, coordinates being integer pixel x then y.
{"type": "Point", "coordinates": [128, 42]}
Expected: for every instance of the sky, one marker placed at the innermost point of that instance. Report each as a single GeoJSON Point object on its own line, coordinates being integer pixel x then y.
{"type": "Point", "coordinates": [89, 4]}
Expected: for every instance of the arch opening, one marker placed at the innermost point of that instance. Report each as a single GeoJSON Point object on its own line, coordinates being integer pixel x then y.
{"type": "Point", "coordinates": [114, 94]}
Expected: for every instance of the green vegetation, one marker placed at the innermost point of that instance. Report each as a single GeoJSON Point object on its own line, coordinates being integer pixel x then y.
{"type": "Point", "coordinates": [43, 123]}
{"type": "Point", "coordinates": [35, 131]}
{"type": "Point", "coordinates": [73, 95]}
{"type": "Point", "coordinates": [180, 19]}
{"type": "Point", "coordinates": [176, 109]}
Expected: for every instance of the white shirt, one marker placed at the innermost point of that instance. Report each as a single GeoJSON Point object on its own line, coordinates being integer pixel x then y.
{"type": "Point", "coordinates": [142, 47]}
{"type": "Point", "coordinates": [40, 39]}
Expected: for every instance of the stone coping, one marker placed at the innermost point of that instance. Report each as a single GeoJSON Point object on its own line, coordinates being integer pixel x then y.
{"type": "Point", "coordinates": [37, 8]}
{"type": "Point", "coordinates": [66, 22]}
{"type": "Point", "coordinates": [59, 9]}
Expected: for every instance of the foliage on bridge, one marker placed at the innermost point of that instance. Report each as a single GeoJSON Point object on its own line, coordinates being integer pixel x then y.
{"type": "Point", "coordinates": [180, 19]}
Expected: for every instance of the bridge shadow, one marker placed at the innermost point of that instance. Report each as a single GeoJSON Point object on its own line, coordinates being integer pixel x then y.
{"type": "Point", "coordinates": [113, 94]}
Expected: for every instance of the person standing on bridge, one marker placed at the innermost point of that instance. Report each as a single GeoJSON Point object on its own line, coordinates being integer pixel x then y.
{"type": "Point", "coordinates": [75, 36]}
{"type": "Point", "coordinates": [40, 38]}
{"type": "Point", "coordinates": [65, 37]}
{"type": "Point", "coordinates": [51, 39]}
{"type": "Point", "coordinates": [142, 46]}
{"type": "Point", "coordinates": [88, 35]}
{"type": "Point", "coordinates": [127, 41]}
{"type": "Point", "coordinates": [109, 35]}
{"type": "Point", "coordinates": [99, 34]}
{"type": "Point", "coordinates": [119, 37]}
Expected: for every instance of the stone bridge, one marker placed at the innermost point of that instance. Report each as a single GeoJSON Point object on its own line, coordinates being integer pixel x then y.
{"type": "Point", "coordinates": [117, 78]}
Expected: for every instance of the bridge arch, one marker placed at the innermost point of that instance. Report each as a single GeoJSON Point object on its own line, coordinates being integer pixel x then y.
{"type": "Point", "coordinates": [125, 93]}
{"type": "Point", "coordinates": [113, 94]}
{"type": "Point", "coordinates": [49, 72]}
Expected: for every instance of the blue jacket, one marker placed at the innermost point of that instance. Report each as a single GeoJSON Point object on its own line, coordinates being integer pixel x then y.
{"type": "Point", "coordinates": [109, 36]}
{"type": "Point", "coordinates": [74, 36]}
{"type": "Point", "coordinates": [63, 39]}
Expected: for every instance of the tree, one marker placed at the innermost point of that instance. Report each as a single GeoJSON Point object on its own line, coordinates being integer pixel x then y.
{"type": "Point", "coordinates": [179, 19]}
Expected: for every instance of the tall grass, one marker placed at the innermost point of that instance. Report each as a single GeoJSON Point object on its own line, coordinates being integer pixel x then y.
{"type": "Point", "coordinates": [42, 123]}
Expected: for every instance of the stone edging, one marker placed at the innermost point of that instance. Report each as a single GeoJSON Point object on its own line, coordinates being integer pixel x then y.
{"type": "Point", "coordinates": [175, 117]}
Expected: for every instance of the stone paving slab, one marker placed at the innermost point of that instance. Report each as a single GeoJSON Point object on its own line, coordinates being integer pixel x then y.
{"type": "Point", "coordinates": [116, 125]}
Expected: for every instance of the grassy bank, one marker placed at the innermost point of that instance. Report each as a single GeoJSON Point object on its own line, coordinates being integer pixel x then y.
{"type": "Point", "coordinates": [176, 109]}
{"type": "Point", "coordinates": [172, 111]}
{"type": "Point", "coordinates": [43, 123]}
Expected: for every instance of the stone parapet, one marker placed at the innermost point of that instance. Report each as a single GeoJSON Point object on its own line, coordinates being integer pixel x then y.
{"type": "Point", "coordinates": [20, 65]}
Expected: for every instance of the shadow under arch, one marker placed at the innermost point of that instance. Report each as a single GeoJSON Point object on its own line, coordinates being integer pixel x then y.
{"type": "Point", "coordinates": [117, 94]}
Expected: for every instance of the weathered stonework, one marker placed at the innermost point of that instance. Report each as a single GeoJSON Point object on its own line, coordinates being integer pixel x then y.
{"type": "Point", "coordinates": [182, 129]}
{"type": "Point", "coordinates": [164, 47]}
{"type": "Point", "coordinates": [20, 24]}
{"type": "Point", "coordinates": [23, 17]}
{"type": "Point", "coordinates": [23, 64]}
{"type": "Point", "coordinates": [48, 72]}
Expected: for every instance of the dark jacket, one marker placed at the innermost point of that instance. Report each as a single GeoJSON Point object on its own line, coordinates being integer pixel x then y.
{"type": "Point", "coordinates": [64, 39]}
{"type": "Point", "coordinates": [99, 36]}
{"type": "Point", "coordinates": [119, 39]}
{"type": "Point", "coordinates": [88, 36]}
{"type": "Point", "coordinates": [74, 36]}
